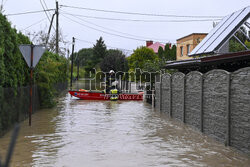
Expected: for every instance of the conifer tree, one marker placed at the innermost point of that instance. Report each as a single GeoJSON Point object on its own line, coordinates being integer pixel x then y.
{"type": "Point", "coordinates": [99, 51]}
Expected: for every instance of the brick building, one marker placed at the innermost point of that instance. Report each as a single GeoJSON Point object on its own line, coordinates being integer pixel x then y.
{"type": "Point", "coordinates": [186, 44]}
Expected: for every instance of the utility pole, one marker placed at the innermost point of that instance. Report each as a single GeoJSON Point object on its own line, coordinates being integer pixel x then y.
{"type": "Point", "coordinates": [67, 63]}
{"type": "Point", "coordinates": [78, 67]}
{"type": "Point", "coordinates": [72, 59]}
{"type": "Point", "coordinates": [51, 22]}
{"type": "Point", "coordinates": [57, 28]}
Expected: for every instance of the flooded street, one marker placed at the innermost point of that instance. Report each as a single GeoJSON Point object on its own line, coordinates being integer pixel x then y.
{"type": "Point", "coordinates": [80, 133]}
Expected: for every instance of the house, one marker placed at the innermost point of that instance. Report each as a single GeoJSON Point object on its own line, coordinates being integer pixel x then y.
{"type": "Point", "coordinates": [226, 61]}
{"type": "Point", "coordinates": [187, 43]}
{"type": "Point", "coordinates": [155, 46]}
{"type": "Point", "coordinates": [214, 51]}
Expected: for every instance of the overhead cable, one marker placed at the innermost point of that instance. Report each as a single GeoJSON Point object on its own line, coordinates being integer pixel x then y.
{"type": "Point", "coordinates": [136, 13]}
{"type": "Point", "coordinates": [109, 29]}
{"type": "Point", "coordinates": [46, 14]}
{"type": "Point", "coordinates": [46, 7]}
{"type": "Point", "coordinates": [106, 45]}
{"type": "Point", "coordinates": [140, 20]}
{"type": "Point", "coordinates": [34, 24]}
{"type": "Point", "coordinates": [122, 36]}
{"type": "Point", "coordinates": [30, 12]}
{"type": "Point", "coordinates": [5, 2]}
{"type": "Point", "coordinates": [118, 35]}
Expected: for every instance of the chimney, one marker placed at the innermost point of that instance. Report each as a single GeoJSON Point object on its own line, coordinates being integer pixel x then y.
{"type": "Point", "coordinates": [148, 43]}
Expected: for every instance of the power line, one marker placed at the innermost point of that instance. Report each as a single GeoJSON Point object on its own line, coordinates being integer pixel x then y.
{"type": "Point", "coordinates": [46, 7]}
{"type": "Point", "coordinates": [34, 24]}
{"type": "Point", "coordinates": [106, 45]}
{"type": "Point", "coordinates": [122, 36]}
{"type": "Point", "coordinates": [44, 10]}
{"type": "Point", "coordinates": [2, 6]}
{"type": "Point", "coordinates": [46, 14]}
{"type": "Point", "coordinates": [119, 31]}
{"type": "Point", "coordinates": [136, 13]}
{"type": "Point", "coordinates": [30, 12]}
{"type": "Point", "coordinates": [84, 41]}
{"type": "Point", "coordinates": [140, 20]}
{"type": "Point", "coordinates": [5, 2]}
{"type": "Point", "coordinates": [102, 30]}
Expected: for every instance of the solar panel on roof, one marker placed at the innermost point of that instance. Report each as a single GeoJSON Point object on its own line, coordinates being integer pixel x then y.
{"type": "Point", "coordinates": [222, 32]}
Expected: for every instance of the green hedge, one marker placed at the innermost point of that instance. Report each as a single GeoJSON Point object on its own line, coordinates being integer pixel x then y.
{"type": "Point", "coordinates": [51, 69]}
{"type": "Point", "coordinates": [14, 71]}
{"type": "Point", "coordinates": [15, 78]}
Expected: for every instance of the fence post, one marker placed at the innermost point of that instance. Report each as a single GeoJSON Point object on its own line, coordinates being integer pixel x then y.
{"type": "Point", "coordinates": [201, 102]}
{"type": "Point", "coordinates": [130, 87]}
{"type": "Point", "coordinates": [160, 93]}
{"type": "Point", "coordinates": [170, 96]}
{"type": "Point", "coordinates": [153, 100]}
{"type": "Point", "coordinates": [183, 98]}
{"type": "Point", "coordinates": [228, 110]}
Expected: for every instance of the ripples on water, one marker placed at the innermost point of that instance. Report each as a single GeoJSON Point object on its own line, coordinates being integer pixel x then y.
{"type": "Point", "coordinates": [114, 133]}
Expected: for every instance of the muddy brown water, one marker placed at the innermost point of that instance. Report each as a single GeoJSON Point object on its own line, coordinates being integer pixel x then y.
{"type": "Point", "coordinates": [80, 133]}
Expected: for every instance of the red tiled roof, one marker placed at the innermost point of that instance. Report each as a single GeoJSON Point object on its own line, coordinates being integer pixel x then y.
{"type": "Point", "coordinates": [156, 46]}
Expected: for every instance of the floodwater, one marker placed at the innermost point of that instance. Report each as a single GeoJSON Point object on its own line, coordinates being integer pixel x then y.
{"type": "Point", "coordinates": [80, 133]}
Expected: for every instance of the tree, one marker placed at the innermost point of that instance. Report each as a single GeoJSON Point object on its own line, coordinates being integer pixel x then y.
{"type": "Point", "coordinates": [235, 45]}
{"type": "Point", "coordinates": [152, 66]}
{"type": "Point", "coordinates": [50, 70]}
{"type": "Point", "coordinates": [2, 50]}
{"type": "Point", "coordinates": [13, 69]}
{"type": "Point", "coordinates": [168, 54]}
{"type": "Point", "coordinates": [172, 53]}
{"type": "Point", "coordinates": [114, 60]}
{"type": "Point", "coordinates": [140, 56]}
{"type": "Point", "coordinates": [160, 53]}
{"type": "Point", "coordinates": [247, 43]}
{"type": "Point", "coordinates": [99, 51]}
{"type": "Point", "coordinates": [240, 34]}
{"type": "Point", "coordinates": [86, 59]}
{"type": "Point", "coordinates": [41, 38]}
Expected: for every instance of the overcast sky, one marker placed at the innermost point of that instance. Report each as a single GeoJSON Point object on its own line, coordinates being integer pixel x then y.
{"type": "Point", "coordinates": [90, 29]}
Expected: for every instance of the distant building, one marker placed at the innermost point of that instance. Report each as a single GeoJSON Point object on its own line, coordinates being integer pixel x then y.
{"type": "Point", "coordinates": [213, 52]}
{"type": "Point", "coordinates": [226, 61]}
{"type": "Point", "coordinates": [186, 44]}
{"type": "Point", "coordinates": [155, 46]}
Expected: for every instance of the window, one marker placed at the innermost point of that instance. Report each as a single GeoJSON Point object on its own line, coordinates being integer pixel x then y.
{"type": "Point", "coordinates": [181, 50]}
{"type": "Point", "coordinates": [188, 49]}
{"type": "Point", "coordinates": [198, 40]}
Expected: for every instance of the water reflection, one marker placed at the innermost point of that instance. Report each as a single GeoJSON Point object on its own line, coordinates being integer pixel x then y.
{"type": "Point", "coordinates": [114, 133]}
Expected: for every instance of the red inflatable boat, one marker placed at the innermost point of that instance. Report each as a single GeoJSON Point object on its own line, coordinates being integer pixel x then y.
{"type": "Point", "coordinates": [98, 95]}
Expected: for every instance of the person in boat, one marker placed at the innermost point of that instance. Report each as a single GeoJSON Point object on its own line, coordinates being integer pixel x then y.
{"type": "Point", "coordinates": [110, 81]}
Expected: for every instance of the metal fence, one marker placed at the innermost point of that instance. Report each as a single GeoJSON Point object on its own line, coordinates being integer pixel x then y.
{"type": "Point", "coordinates": [14, 104]}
